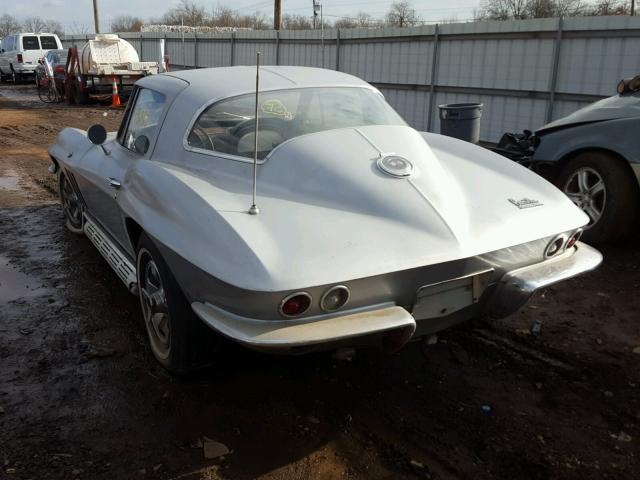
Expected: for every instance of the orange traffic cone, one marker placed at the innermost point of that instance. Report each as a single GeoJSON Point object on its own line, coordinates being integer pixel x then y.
{"type": "Point", "coordinates": [115, 98]}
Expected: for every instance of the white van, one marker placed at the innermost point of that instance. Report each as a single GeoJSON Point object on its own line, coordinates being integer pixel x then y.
{"type": "Point", "coordinates": [20, 53]}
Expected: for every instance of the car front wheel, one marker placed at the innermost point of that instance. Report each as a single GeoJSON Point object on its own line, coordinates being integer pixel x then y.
{"type": "Point", "coordinates": [71, 206]}
{"type": "Point", "coordinates": [603, 188]}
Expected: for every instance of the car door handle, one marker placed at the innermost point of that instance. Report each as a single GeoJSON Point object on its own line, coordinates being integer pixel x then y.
{"type": "Point", "coordinates": [114, 183]}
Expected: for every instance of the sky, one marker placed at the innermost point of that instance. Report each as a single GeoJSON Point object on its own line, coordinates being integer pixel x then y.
{"type": "Point", "coordinates": [75, 14]}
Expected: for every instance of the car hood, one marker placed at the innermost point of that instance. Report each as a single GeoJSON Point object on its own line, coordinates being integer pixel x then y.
{"type": "Point", "coordinates": [612, 108]}
{"type": "Point", "coordinates": [329, 214]}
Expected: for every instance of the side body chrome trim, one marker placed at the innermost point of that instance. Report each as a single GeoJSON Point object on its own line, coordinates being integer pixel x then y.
{"type": "Point", "coordinates": [118, 261]}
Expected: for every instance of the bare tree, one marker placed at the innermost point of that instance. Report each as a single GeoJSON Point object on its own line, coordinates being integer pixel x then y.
{"type": "Point", "coordinates": [346, 22]}
{"type": "Point", "coordinates": [126, 23]}
{"type": "Point", "coordinates": [34, 24]}
{"type": "Point", "coordinates": [503, 9]}
{"type": "Point", "coordinates": [223, 17]}
{"type": "Point", "coordinates": [187, 11]}
{"type": "Point", "coordinates": [361, 20]}
{"type": "Point", "coordinates": [296, 22]}
{"type": "Point", "coordinates": [402, 14]}
{"type": "Point", "coordinates": [569, 8]}
{"type": "Point", "coordinates": [77, 28]}
{"type": "Point", "coordinates": [52, 26]}
{"type": "Point", "coordinates": [521, 9]}
{"type": "Point", "coordinates": [540, 8]}
{"type": "Point", "coordinates": [609, 7]}
{"type": "Point", "coordinates": [8, 25]}
{"type": "Point", "coordinates": [255, 21]}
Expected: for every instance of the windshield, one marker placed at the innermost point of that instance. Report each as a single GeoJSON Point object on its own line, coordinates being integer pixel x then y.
{"type": "Point", "coordinates": [228, 126]}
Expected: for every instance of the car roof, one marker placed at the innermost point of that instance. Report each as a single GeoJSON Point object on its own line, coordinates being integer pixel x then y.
{"type": "Point", "coordinates": [207, 84]}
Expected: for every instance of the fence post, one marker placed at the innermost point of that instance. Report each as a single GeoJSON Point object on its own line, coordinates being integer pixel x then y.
{"type": "Point", "coordinates": [233, 48]}
{"type": "Point", "coordinates": [277, 47]}
{"type": "Point", "coordinates": [434, 74]}
{"type": "Point", "coordinates": [553, 78]}
{"type": "Point", "coordinates": [338, 49]}
{"type": "Point", "coordinates": [195, 49]}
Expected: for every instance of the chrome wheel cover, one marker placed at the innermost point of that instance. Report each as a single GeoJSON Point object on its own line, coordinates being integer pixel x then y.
{"type": "Point", "coordinates": [70, 203]}
{"type": "Point", "coordinates": [585, 187]}
{"type": "Point", "coordinates": [153, 301]}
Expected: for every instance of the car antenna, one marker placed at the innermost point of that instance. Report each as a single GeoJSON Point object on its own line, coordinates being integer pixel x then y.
{"type": "Point", "coordinates": [254, 210]}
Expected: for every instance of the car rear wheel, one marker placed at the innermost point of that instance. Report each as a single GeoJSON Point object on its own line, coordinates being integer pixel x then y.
{"type": "Point", "coordinates": [179, 340]}
{"type": "Point", "coordinates": [601, 185]}
{"type": "Point", "coordinates": [15, 76]}
{"type": "Point", "coordinates": [71, 206]}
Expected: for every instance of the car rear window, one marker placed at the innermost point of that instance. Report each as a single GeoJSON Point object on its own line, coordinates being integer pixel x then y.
{"type": "Point", "coordinates": [30, 43]}
{"type": "Point", "coordinates": [229, 125]}
{"type": "Point", "coordinates": [48, 42]}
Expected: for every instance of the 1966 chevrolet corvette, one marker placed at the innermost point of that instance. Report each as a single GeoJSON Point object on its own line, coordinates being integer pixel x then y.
{"type": "Point", "coordinates": [364, 231]}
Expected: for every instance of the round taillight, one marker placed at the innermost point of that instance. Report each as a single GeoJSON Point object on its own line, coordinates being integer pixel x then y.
{"type": "Point", "coordinates": [555, 246]}
{"type": "Point", "coordinates": [334, 298]}
{"type": "Point", "coordinates": [295, 304]}
{"type": "Point", "coordinates": [573, 239]}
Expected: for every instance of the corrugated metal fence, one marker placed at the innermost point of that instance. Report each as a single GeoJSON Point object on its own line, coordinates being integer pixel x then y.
{"type": "Point", "coordinates": [525, 72]}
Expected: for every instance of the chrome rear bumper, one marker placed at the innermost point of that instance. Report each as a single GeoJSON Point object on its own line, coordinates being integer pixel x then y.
{"type": "Point", "coordinates": [389, 325]}
{"type": "Point", "coordinates": [273, 335]}
{"type": "Point", "coordinates": [517, 286]}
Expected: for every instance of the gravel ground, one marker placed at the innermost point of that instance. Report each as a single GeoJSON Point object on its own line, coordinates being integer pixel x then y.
{"type": "Point", "coordinates": [553, 392]}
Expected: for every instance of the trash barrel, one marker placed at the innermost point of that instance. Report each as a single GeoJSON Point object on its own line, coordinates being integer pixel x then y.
{"type": "Point", "coordinates": [461, 120]}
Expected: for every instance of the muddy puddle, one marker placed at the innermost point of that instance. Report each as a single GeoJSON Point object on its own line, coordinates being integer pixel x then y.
{"type": "Point", "coordinates": [9, 181]}
{"type": "Point", "coordinates": [16, 285]}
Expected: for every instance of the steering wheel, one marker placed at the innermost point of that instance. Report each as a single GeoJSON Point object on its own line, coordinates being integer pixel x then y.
{"type": "Point", "coordinates": [283, 127]}
{"type": "Point", "coordinates": [198, 138]}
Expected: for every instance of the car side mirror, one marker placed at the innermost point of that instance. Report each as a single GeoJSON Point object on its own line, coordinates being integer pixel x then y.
{"type": "Point", "coordinates": [141, 145]}
{"type": "Point", "coordinates": [97, 134]}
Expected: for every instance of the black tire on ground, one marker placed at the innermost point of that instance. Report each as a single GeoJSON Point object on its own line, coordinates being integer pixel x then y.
{"type": "Point", "coordinates": [190, 342]}
{"type": "Point", "coordinates": [71, 205]}
{"type": "Point", "coordinates": [620, 204]}
{"type": "Point", "coordinates": [15, 77]}
{"type": "Point", "coordinates": [79, 98]}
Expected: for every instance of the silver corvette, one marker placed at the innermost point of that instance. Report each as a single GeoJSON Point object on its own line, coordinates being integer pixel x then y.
{"type": "Point", "coordinates": [306, 214]}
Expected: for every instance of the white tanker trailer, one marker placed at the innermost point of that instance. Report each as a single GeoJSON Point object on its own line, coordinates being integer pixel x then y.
{"type": "Point", "coordinates": [92, 69]}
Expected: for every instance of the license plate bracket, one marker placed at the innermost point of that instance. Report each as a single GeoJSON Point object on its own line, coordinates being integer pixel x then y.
{"type": "Point", "coordinates": [444, 298]}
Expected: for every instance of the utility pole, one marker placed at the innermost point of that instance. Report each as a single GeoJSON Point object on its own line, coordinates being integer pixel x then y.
{"type": "Point", "coordinates": [633, 7]}
{"type": "Point", "coordinates": [277, 10]}
{"type": "Point", "coordinates": [96, 18]}
{"type": "Point", "coordinates": [316, 10]}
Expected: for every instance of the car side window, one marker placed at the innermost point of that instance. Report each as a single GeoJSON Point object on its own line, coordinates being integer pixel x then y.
{"type": "Point", "coordinates": [48, 42]}
{"type": "Point", "coordinates": [30, 43]}
{"type": "Point", "coordinates": [144, 120]}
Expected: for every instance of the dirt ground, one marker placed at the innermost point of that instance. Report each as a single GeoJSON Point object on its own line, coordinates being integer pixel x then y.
{"type": "Point", "coordinates": [552, 392]}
